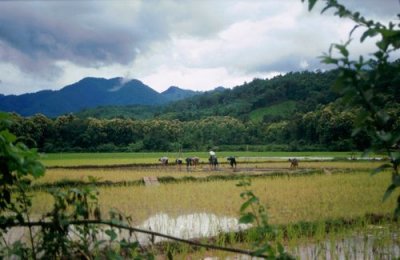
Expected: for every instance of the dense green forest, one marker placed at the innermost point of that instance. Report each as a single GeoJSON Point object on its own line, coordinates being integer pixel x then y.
{"type": "Point", "coordinates": [327, 128]}
{"type": "Point", "coordinates": [296, 111]}
{"type": "Point", "coordinates": [259, 100]}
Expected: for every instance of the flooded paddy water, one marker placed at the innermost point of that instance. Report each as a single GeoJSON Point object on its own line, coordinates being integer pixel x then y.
{"type": "Point", "coordinates": [377, 242]}
{"type": "Point", "coordinates": [374, 242]}
{"type": "Point", "coordinates": [191, 226]}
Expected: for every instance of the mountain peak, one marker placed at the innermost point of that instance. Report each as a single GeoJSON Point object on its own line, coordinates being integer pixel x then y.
{"type": "Point", "coordinates": [89, 92]}
{"type": "Point", "coordinates": [173, 89]}
{"type": "Point", "coordinates": [176, 93]}
{"type": "Point", "coordinates": [219, 88]}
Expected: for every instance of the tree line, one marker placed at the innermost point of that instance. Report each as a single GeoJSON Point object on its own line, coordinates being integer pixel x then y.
{"type": "Point", "coordinates": [326, 128]}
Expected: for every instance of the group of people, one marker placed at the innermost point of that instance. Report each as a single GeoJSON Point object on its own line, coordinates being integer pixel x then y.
{"type": "Point", "coordinates": [213, 162]}
{"type": "Point", "coordinates": [194, 161]}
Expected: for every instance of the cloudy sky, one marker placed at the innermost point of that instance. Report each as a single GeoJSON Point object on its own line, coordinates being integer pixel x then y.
{"type": "Point", "coordinates": [194, 44]}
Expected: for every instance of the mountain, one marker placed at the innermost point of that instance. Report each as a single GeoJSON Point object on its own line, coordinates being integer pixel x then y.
{"type": "Point", "coordinates": [265, 100]}
{"type": "Point", "coordinates": [174, 93]}
{"type": "Point", "coordinates": [261, 100]}
{"type": "Point", "coordinates": [89, 93]}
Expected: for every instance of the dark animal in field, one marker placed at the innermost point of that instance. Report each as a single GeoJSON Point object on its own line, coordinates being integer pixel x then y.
{"type": "Point", "coordinates": [232, 161]}
{"type": "Point", "coordinates": [213, 161]}
{"type": "Point", "coordinates": [294, 163]}
{"type": "Point", "coordinates": [164, 161]}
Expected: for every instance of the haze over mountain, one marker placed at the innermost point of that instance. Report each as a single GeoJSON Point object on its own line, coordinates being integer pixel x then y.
{"type": "Point", "coordinates": [89, 93]}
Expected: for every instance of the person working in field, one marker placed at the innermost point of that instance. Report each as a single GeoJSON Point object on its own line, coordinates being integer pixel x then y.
{"type": "Point", "coordinates": [191, 161]}
{"type": "Point", "coordinates": [232, 161]}
{"type": "Point", "coordinates": [294, 163]}
{"type": "Point", "coordinates": [213, 160]}
{"type": "Point", "coordinates": [178, 163]}
{"type": "Point", "coordinates": [188, 163]}
{"type": "Point", "coordinates": [164, 161]}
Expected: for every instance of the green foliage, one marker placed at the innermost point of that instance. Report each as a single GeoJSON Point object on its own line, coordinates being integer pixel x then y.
{"type": "Point", "coordinates": [18, 164]}
{"type": "Point", "coordinates": [135, 112]}
{"type": "Point", "coordinates": [371, 85]}
{"type": "Point", "coordinates": [326, 128]}
{"type": "Point", "coordinates": [304, 89]}
{"type": "Point", "coordinates": [273, 113]}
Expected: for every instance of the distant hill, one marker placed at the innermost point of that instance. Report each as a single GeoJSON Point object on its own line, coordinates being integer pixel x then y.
{"type": "Point", "coordinates": [89, 93]}
{"type": "Point", "coordinates": [174, 93]}
{"type": "Point", "coordinates": [262, 100]}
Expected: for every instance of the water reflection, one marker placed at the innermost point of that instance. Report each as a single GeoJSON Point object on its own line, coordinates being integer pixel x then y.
{"type": "Point", "coordinates": [191, 226]}
{"type": "Point", "coordinates": [363, 246]}
{"type": "Point", "coordinates": [375, 242]}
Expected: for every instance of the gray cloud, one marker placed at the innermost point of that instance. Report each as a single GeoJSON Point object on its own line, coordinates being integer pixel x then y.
{"type": "Point", "coordinates": [374, 8]}
{"type": "Point", "coordinates": [240, 36]}
{"type": "Point", "coordinates": [36, 39]}
{"type": "Point", "coordinates": [35, 34]}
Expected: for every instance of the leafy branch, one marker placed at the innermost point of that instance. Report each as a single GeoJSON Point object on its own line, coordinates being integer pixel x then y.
{"type": "Point", "coordinates": [371, 85]}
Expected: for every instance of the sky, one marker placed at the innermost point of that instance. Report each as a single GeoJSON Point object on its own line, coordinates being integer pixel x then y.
{"type": "Point", "coordinates": [193, 44]}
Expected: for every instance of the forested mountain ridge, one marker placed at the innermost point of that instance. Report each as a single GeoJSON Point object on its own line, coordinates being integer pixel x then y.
{"type": "Point", "coordinates": [264, 100]}
{"type": "Point", "coordinates": [174, 93]}
{"type": "Point", "coordinates": [88, 93]}
{"type": "Point", "coordinates": [259, 100]}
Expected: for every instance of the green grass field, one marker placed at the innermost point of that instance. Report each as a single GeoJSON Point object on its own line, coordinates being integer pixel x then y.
{"type": "Point", "coordinates": [77, 159]}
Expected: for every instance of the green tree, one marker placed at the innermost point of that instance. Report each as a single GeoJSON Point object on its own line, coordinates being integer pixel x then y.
{"type": "Point", "coordinates": [371, 85]}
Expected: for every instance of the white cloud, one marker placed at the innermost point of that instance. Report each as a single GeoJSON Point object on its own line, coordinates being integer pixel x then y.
{"type": "Point", "coordinates": [304, 64]}
{"type": "Point", "coordinates": [15, 81]}
{"type": "Point", "coordinates": [199, 78]}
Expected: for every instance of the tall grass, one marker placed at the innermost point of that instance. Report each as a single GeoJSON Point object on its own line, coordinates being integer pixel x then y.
{"type": "Point", "coordinates": [288, 199]}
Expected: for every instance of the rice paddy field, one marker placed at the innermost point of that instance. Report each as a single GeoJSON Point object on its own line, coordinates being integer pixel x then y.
{"type": "Point", "coordinates": [316, 192]}
{"type": "Point", "coordinates": [288, 198]}
{"type": "Point", "coordinates": [98, 159]}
